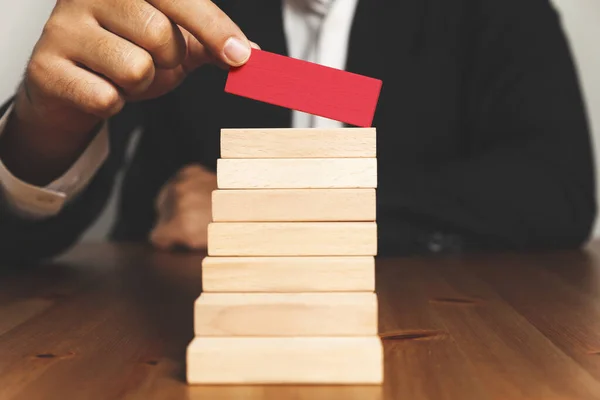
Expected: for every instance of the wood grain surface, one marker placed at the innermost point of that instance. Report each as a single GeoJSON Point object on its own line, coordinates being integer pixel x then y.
{"type": "Point", "coordinates": [292, 239]}
{"type": "Point", "coordinates": [297, 173]}
{"type": "Point", "coordinates": [288, 274]}
{"type": "Point", "coordinates": [286, 314]}
{"type": "Point", "coordinates": [290, 360]}
{"type": "Point", "coordinates": [114, 321]}
{"type": "Point", "coordinates": [299, 143]}
{"type": "Point", "coordinates": [277, 205]}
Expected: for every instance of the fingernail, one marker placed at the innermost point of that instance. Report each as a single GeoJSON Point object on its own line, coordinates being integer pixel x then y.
{"type": "Point", "coordinates": [236, 51]}
{"type": "Point", "coordinates": [254, 45]}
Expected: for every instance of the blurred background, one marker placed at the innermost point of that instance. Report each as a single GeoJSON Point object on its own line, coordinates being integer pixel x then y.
{"type": "Point", "coordinates": [24, 19]}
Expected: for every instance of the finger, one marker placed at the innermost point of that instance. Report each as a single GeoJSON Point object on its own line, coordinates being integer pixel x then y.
{"type": "Point", "coordinates": [130, 67]}
{"type": "Point", "coordinates": [78, 88]}
{"type": "Point", "coordinates": [210, 26]}
{"type": "Point", "coordinates": [194, 172]}
{"type": "Point", "coordinates": [177, 234]}
{"type": "Point", "coordinates": [161, 239]}
{"type": "Point", "coordinates": [197, 54]}
{"type": "Point", "coordinates": [166, 80]}
{"type": "Point", "coordinates": [142, 24]}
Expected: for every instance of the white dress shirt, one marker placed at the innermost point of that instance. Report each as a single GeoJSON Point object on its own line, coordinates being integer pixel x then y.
{"type": "Point", "coordinates": [322, 39]}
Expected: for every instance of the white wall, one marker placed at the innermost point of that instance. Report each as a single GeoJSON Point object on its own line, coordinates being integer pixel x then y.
{"type": "Point", "coordinates": [21, 23]}
{"type": "Point", "coordinates": [22, 20]}
{"type": "Point", "coordinates": [581, 20]}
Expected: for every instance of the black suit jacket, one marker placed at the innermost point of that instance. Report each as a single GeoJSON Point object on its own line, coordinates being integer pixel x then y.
{"type": "Point", "coordinates": [483, 142]}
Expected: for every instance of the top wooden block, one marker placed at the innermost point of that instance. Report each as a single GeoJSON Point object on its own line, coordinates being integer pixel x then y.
{"type": "Point", "coordinates": [299, 143]}
{"type": "Point", "coordinates": [304, 86]}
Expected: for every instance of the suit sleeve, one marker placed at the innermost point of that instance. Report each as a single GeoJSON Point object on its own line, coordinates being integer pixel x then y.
{"type": "Point", "coordinates": [528, 180]}
{"type": "Point", "coordinates": [24, 239]}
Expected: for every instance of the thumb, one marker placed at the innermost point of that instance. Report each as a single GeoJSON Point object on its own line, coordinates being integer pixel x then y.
{"type": "Point", "coordinates": [197, 54]}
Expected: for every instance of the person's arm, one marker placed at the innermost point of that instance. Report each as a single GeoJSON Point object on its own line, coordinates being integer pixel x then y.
{"type": "Point", "coordinates": [83, 73]}
{"type": "Point", "coordinates": [23, 199]}
{"type": "Point", "coordinates": [528, 181]}
{"type": "Point", "coordinates": [30, 232]}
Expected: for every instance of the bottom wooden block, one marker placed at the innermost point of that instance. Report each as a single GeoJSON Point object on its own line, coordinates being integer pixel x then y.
{"type": "Point", "coordinates": [285, 360]}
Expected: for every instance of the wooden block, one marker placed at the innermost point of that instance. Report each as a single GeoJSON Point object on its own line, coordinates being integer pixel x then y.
{"type": "Point", "coordinates": [305, 86]}
{"type": "Point", "coordinates": [288, 205]}
{"type": "Point", "coordinates": [286, 314]}
{"type": "Point", "coordinates": [299, 143]}
{"type": "Point", "coordinates": [297, 173]}
{"type": "Point", "coordinates": [292, 239]}
{"type": "Point", "coordinates": [288, 274]}
{"type": "Point", "coordinates": [293, 360]}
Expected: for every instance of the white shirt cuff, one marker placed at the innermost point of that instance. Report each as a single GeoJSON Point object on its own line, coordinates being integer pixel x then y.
{"type": "Point", "coordinates": [35, 202]}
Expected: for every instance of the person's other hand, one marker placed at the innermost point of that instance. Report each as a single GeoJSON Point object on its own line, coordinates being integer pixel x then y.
{"type": "Point", "coordinates": [184, 210]}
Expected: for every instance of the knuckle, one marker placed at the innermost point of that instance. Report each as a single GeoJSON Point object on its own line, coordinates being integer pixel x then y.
{"type": "Point", "coordinates": [190, 170]}
{"type": "Point", "coordinates": [189, 229]}
{"type": "Point", "coordinates": [56, 23]}
{"type": "Point", "coordinates": [141, 68]}
{"type": "Point", "coordinates": [36, 68]}
{"type": "Point", "coordinates": [180, 189]}
{"type": "Point", "coordinates": [161, 236]}
{"type": "Point", "coordinates": [51, 28]}
{"type": "Point", "coordinates": [158, 30]}
{"type": "Point", "coordinates": [41, 76]}
{"type": "Point", "coordinates": [105, 101]}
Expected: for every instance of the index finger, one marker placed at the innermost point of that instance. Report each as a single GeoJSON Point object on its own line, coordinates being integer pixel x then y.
{"type": "Point", "coordinates": [210, 26]}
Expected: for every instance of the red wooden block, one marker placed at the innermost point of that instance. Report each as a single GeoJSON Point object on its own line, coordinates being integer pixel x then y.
{"type": "Point", "coordinates": [306, 87]}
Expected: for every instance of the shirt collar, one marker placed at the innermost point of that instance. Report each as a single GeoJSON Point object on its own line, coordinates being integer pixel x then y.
{"type": "Point", "coordinates": [317, 7]}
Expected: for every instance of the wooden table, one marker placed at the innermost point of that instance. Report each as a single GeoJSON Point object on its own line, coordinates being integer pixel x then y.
{"type": "Point", "coordinates": [113, 322]}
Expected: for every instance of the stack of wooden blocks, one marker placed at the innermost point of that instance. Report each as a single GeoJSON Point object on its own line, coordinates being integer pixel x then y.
{"type": "Point", "coordinates": [289, 280]}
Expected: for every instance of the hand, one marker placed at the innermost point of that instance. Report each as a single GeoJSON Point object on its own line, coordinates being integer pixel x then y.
{"type": "Point", "coordinates": [95, 55]}
{"type": "Point", "coordinates": [184, 210]}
